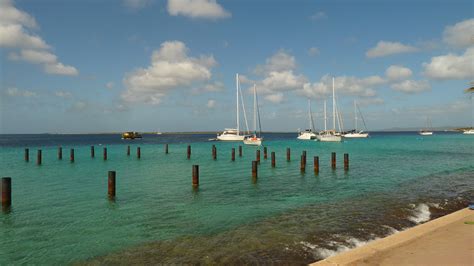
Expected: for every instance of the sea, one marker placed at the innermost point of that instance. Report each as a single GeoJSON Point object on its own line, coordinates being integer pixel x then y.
{"type": "Point", "coordinates": [61, 213]}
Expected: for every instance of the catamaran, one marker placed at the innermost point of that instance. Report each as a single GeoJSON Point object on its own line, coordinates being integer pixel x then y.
{"type": "Point", "coordinates": [356, 133]}
{"type": "Point", "coordinates": [428, 131]}
{"type": "Point", "coordinates": [309, 133]}
{"type": "Point", "coordinates": [255, 139]}
{"type": "Point", "coordinates": [233, 134]}
{"type": "Point", "coordinates": [330, 135]}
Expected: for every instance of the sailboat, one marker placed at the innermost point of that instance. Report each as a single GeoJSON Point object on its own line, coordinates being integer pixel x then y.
{"type": "Point", "coordinates": [309, 133]}
{"type": "Point", "coordinates": [356, 133]}
{"type": "Point", "coordinates": [233, 134]}
{"type": "Point", "coordinates": [471, 130]}
{"type": "Point", "coordinates": [330, 135]}
{"type": "Point", "coordinates": [255, 139]}
{"type": "Point", "coordinates": [428, 131]}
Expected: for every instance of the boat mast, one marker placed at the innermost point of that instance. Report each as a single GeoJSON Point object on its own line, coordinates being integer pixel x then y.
{"type": "Point", "coordinates": [254, 109]}
{"type": "Point", "coordinates": [310, 116]}
{"type": "Point", "coordinates": [325, 117]}
{"type": "Point", "coordinates": [333, 106]}
{"type": "Point", "coordinates": [355, 115]}
{"type": "Point", "coordinates": [237, 96]}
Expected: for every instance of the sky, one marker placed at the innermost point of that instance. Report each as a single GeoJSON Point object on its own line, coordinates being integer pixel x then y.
{"type": "Point", "coordinates": [88, 66]}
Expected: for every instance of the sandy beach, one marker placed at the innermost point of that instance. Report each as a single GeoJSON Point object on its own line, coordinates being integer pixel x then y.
{"type": "Point", "coordinates": [448, 240]}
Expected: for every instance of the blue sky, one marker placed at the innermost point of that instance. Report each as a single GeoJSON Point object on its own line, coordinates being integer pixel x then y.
{"type": "Point", "coordinates": [169, 65]}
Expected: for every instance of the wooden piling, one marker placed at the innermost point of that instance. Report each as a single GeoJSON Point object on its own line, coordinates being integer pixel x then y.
{"type": "Point", "coordinates": [195, 176]}
{"type": "Point", "coordinates": [105, 154]}
{"type": "Point", "coordinates": [27, 155]}
{"type": "Point", "coordinates": [258, 156]}
{"type": "Point", "coordinates": [254, 169]}
{"type": "Point", "coordinates": [304, 155]}
{"type": "Point", "coordinates": [189, 152]}
{"type": "Point", "coordinates": [128, 150]}
{"type": "Point", "coordinates": [6, 192]}
{"type": "Point", "coordinates": [233, 154]}
{"type": "Point", "coordinates": [71, 156]}
{"type": "Point", "coordinates": [288, 154]}
{"type": "Point", "coordinates": [240, 151]}
{"type": "Point", "coordinates": [316, 165]}
{"type": "Point", "coordinates": [346, 161]}
{"type": "Point", "coordinates": [303, 164]}
{"type": "Point", "coordinates": [333, 160]}
{"type": "Point", "coordinates": [60, 153]}
{"type": "Point", "coordinates": [265, 153]}
{"type": "Point", "coordinates": [139, 152]}
{"type": "Point", "coordinates": [39, 158]}
{"type": "Point", "coordinates": [273, 159]}
{"type": "Point", "coordinates": [111, 185]}
{"type": "Point", "coordinates": [92, 152]}
{"type": "Point", "coordinates": [166, 148]}
{"type": "Point", "coordinates": [214, 152]}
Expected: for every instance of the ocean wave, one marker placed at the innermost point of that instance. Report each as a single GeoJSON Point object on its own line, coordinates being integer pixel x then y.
{"type": "Point", "coordinates": [336, 247]}
{"type": "Point", "coordinates": [421, 213]}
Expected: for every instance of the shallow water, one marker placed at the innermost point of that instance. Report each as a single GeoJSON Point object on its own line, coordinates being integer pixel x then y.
{"type": "Point", "coordinates": [61, 213]}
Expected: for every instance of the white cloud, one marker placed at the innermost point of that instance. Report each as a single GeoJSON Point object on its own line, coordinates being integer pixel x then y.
{"type": "Point", "coordinates": [313, 51]}
{"type": "Point", "coordinates": [344, 85]}
{"type": "Point", "coordinates": [370, 101]}
{"type": "Point", "coordinates": [216, 86]}
{"type": "Point", "coordinates": [136, 4]}
{"type": "Point", "coordinates": [211, 104]}
{"type": "Point", "coordinates": [451, 66]}
{"type": "Point", "coordinates": [170, 68]}
{"type": "Point", "coordinates": [63, 94]}
{"type": "Point", "coordinates": [384, 48]}
{"type": "Point", "coordinates": [461, 34]}
{"type": "Point", "coordinates": [15, 92]}
{"type": "Point", "coordinates": [109, 85]}
{"type": "Point", "coordinates": [274, 98]}
{"type": "Point", "coordinates": [15, 26]}
{"type": "Point", "coordinates": [318, 16]}
{"type": "Point", "coordinates": [280, 61]}
{"type": "Point", "coordinates": [395, 72]}
{"type": "Point", "coordinates": [207, 9]}
{"type": "Point", "coordinates": [411, 86]}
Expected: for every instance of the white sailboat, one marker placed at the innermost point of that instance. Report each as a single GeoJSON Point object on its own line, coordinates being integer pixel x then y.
{"type": "Point", "coordinates": [309, 133]}
{"type": "Point", "coordinates": [356, 133]}
{"type": "Point", "coordinates": [427, 131]}
{"type": "Point", "coordinates": [255, 139]}
{"type": "Point", "coordinates": [233, 134]}
{"type": "Point", "coordinates": [470, 131]}
{"type": "Point", "coordinates": [330, 135]}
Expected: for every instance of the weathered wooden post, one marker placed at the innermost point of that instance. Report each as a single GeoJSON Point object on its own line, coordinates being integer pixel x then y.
{"type": "Point", "coordinates": [71, 156]}
{"type": "Point", "coordinates": [304, 155]}
{"type": "Point", "coordinates": [316, 165]}
{"type": "Point", "coordinates": [139, 152]}
{"type": "Point", "coordinates": [189, 152]}
{"type": "Point", "coordinates": [92, 152]}
{"type": "Point", "coordinates": [111, 185]}
{"type": "Point", "coordinates": [288, 154]}
{"type": "Point", "coordinates": [273, 159]}
{"type": "Point", "coordinates": [254, 169]}
{"type": "Point", "coordinates": [128, 150]}
{"type": "Point", "coordinates": [214, 152]}
{"type": "Point", "coordinates": [303, 164]}
{"type": "Point", "coordinates": [258, 156]}
{"type": "Point", "coordinates": [39, 158]}
{"type": "Point", "coordinates": [6, 193]}
{"type": "Point", "coordinates": [265, 153]}
{"type": "Point", "coordinates": [60, 153]}
{"type": "Point", "coordinates": [166, 148]}
{"type": "Point", "coordinates": [105, 154]}
{"type": "Point", "coordinates": [240, 151]}
{"type": "Point", "coordinates": [346, 161]}
{"type": "Point", "coordinates": [333, 160]}
{"type": "Point", "coordinates": [195, 176]}
{"type": "Point", "coordinates": [27, 155]}
{"type": "Point", "coordinates": [233, 154]}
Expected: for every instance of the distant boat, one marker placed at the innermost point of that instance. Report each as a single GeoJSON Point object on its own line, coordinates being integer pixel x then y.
{"type": "Point", "coordinates": [428, 131]}
{"type": "Point", "coordinates": [233, 134]}
{"type": "Point", "coordinates": [255, 139]}
{"type": "Point", "coordinates": [330, 135]}
{"type": "Point", "coordinates": [309, 133]}
{"type": "Point", "coordinates": [131, 135]}
{"type": "Point", "coordinates": [469, 131]}
{"type": "Point", "coordinates": [356, 133]}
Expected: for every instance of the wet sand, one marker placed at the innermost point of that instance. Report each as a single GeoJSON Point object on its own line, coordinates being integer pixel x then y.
{"type": "Point", "coordinates": [444, 241]}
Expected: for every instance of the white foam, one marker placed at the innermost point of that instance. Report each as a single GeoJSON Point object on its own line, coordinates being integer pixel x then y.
{"type": "Point", "coordinates": [420, 214]}
{"type": "Point", "coordinates": [337, 247]}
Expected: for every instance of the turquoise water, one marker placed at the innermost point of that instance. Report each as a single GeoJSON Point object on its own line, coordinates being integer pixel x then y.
{"type": "Point", "coordinates": [61, 213]}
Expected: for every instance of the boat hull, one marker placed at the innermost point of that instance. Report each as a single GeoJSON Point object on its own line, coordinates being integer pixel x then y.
{"type": "Point", "coordinates": [469, 132]}
{"type": "Point", "coordinates": [426, 133]}
{"type": "Point", "coordinates": [356, 135]}
{"type": "Point", "coordinates": [254, 142]}
{"type": "Point", "coordinates": [230, 137]}
{"type": "Point", "coordinates": [306, 136]}
{"type": "Point", "coordinates": [329, 138]}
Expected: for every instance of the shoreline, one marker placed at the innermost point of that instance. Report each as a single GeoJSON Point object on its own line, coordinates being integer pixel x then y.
{"type": "Point", "coordinates": [446, 240]}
